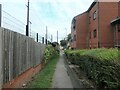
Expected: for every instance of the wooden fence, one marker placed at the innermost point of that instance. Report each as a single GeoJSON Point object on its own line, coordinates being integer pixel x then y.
{"type": "Point", "coordinates": [17, 54]}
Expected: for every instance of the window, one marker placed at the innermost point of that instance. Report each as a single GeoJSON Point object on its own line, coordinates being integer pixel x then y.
{"type": "Point", "coordinates": [94, 15]}
{"type": "Point", "coordinates": [94, 33]}
{"type": "Point", "coordinates": [74, 23]}
{"type": "Point", "coordinates": [74, 27]}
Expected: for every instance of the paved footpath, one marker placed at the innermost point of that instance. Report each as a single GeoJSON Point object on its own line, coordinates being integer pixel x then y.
{"type": "Point", "coordinates": [61, 78]}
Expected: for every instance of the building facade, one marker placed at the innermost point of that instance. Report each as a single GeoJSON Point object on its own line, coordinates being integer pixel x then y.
{"type": "Point", "coordinates": [79, 31]}
{"type": "Point", "coordinates": [98, 27]}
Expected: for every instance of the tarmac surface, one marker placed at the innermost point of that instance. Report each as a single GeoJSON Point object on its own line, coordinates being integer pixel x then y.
{"type": "Point", "coordinates": [61, 78]}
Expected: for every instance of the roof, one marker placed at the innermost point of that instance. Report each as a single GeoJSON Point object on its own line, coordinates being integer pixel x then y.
{"type": "Point", "coordinates": [80, 14]}
{"type": "Point", "coordinates": [92, 5]}
{"type": "Point", "coordinates": [116, 21]}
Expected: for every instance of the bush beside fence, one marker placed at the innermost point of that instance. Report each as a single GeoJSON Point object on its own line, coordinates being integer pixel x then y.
{"type": "Point", "coordinates": [19, 53]}
{"type": "Point", "coordinates": [100, 65]}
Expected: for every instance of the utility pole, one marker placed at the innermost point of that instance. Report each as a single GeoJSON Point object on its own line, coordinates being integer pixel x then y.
{"type": "Point", "coordinates": [57, 36]}
{"type": "Point", "coordinates": [51, 38]}
{"type": "Point", "coordinates": [43, 40]}
{"type": "Point", "coordinates": [37, 37]}
{"type": "Point", "coordinates": [27, 26]}
{"type": "Point", "coordinates": [30, 28]}
{"type": "Point", "coordinates": [46, 35]}
{"type": "Point", "coordinates": [66, 31]}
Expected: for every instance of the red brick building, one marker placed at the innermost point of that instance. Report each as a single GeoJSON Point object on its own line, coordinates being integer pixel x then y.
{"type": "Point", "coordinates": [98, 27]}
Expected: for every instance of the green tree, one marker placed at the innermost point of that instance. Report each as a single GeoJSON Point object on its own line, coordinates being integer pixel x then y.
{"type": "Point", "coordinates": [69, 37]}
{"type": "Point", "coordinates": [63, 43]}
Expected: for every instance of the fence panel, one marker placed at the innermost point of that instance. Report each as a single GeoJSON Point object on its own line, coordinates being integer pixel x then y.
{"type": "Point", "coordinates": [17, 54]}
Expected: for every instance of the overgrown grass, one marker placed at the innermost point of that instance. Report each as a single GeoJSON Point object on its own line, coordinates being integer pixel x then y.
{"type": "Point", "coordinates": [44, 78]}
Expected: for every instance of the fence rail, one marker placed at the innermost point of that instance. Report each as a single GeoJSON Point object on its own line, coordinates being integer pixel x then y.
{"type": "Point", "coordinates": [17, 54]}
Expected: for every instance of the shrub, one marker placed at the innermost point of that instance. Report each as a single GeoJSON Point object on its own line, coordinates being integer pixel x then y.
{"type": "Point", "coordinates": [50, 52]}
{"type": "Point", "coordinates": [101, 65]}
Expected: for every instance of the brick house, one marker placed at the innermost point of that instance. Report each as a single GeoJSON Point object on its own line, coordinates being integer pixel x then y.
{"type": "Point", "coordinates": [98, 27]}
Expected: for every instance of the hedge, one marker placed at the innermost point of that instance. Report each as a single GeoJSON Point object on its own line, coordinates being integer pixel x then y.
{"type": "Point", "coordinates": [100, 65]}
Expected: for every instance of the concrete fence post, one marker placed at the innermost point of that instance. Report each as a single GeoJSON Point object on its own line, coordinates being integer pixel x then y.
{"type": "Point", "coordinates": [0, 15]}
{"type": "Point", "coordinates": [1, 61]}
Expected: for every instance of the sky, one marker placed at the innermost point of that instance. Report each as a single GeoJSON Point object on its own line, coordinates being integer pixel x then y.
{"type": "Point", "coordinates": [55, 14]}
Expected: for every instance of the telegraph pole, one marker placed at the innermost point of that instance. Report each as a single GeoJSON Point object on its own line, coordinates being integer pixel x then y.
{"type": "Point", "coordinates": [43, 40]}
{"type": "Point", "coordinates": [57, 36]}
{"type": "Point", "coordinates": [66, 31]}
{"type": "Point", "coordinates": [46, 35]}
{"type": "Point", "coordinates": [51, 38]}
{"type": "Point", "coordinates": [37, 37]}
{"type": "Point", "coordinates": [27, 26]}
{"type": "Point", "coordinates": [30, 28]}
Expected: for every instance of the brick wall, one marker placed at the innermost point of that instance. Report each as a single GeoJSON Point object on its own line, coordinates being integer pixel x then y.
{"type": "Point", "coordinates": [108, 11]}
{"type": "Point", "coordinates": [82, 31]}
{"type": "Point", "coordinates": [99, 33]}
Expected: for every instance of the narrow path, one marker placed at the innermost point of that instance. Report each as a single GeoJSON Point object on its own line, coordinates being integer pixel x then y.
{"type": "Point", "coordinates": [61, 78]}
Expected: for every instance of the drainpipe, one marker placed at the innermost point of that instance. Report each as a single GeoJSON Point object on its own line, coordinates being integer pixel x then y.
{"type": "Point", "coordinates": [98, 27]}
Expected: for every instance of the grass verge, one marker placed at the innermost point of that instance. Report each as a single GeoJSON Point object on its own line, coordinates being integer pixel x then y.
{"type": "Point", "coordinates": [44, 78]}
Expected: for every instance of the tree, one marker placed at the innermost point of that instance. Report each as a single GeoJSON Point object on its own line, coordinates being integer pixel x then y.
{"type": "Point", "coordinates": [69, 37]}
{"type": "Point", "coordinates": [54, 44]}
{"type": "Point", "coordinates": [63, 43]}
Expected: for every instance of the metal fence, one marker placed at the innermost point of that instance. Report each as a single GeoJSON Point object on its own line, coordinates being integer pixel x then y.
{"type": "Point", "coordinates": [12, 23]}
{"type": "Point", "coordinates": [17, 54]}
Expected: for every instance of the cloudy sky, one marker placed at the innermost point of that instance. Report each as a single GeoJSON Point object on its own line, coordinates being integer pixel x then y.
{"type": "Point", "coordinates": [55, 14]}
